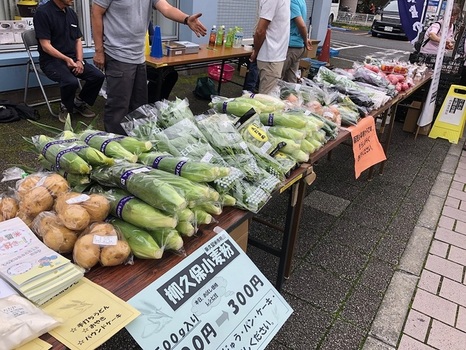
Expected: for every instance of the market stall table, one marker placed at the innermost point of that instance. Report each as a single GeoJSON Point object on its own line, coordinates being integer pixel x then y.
{"type": "Point", "coordinates": [206, 55]}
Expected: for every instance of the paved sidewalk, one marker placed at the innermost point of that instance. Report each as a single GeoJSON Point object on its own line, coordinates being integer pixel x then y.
{"type": "Point", "coordinates": [425, 302]}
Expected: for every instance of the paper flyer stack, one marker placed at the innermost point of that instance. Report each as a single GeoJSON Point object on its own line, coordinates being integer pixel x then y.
{"type": "Point", "coordinates": [35, 270]}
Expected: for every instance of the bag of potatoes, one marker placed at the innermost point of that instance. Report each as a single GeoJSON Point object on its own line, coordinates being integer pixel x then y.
{"type": "Point", "coordinates": [78, 210]}
{"type": "Point", "coordinates": [54, 234]}
{"type": "Point", "coordinates": [36, 193]}
{"type": "Point", "coordinates": [8, 207]}
{"type": "Point", "coordinates": [100, 243]}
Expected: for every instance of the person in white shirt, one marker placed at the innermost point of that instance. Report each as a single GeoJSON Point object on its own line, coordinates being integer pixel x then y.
{"type": "Point", "coordinates": [271, 39]}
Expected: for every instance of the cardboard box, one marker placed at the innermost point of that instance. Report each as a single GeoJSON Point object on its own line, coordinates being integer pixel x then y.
{"type": "Point", "coordinates": [412, 115]}
{"type": "Point", "coordinates": [304, 67]}
{"type": "Point", "coordinates": [240, 235]}
{"type": "Point", "coordinates": [313, 52]}
{"type": "Point", "coordinates": [243, 70]}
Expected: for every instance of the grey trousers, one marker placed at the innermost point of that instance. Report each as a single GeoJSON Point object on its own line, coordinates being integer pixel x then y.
{"type": "Point", "coordinates": [126, 91]}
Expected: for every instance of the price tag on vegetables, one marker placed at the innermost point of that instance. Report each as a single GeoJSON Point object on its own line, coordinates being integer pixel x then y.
{"type": "Point", "coordinates": [205, 303]}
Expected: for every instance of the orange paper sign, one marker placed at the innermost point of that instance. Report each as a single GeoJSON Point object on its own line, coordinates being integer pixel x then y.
{"type": "Point", "coordinates": [366, 146]}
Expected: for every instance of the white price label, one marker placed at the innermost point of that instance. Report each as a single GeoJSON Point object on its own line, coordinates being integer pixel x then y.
{"type": "Point", "coordinates": [104, 240]}
{"type": "Point", "coordinates": [78, 199]}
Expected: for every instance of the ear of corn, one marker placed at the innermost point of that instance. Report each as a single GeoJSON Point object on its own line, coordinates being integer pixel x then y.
{"type": "Point", "coordinates": [108, 145]}
{"type": "Point", "coordinates": [191, 170]}
{"type": "Point", "coordinates": [137, 212]}
{"type": "Point", "coordinates": [137, 181]}
{"type": "Point", "coordinates": [142, 244]}
{"type": "Point", "coordinates": [61, 155]}
{"type": "Point", "coordinates": [168, 239]}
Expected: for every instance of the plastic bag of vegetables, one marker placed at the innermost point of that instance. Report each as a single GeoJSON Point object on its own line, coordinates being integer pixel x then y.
{"type": "Point", "coordinates": [142, 244]}
{"type": "Point", "coordinates": [125, 206]}
{"type": "Point", "coordinates": [36, 193]}
{"type": "Point", "coordinates": [171, 112]}
{"type": "Point", "coordinates": [274, 103]}
{"type": "Point", "coordinates": [8, 207]}
{"type": "Point", "coordinates": [62, 154]}
{"type": "Point", "coordinates": [192, 170]}
{"type": "Point", "coordinates": [78, 210]}
{"type": "Point", "coordinates": [54, 234]}
{"type": "Point", "coordinates": [136, 180]}
{"type": "Point", "coordinates": [101, 243]}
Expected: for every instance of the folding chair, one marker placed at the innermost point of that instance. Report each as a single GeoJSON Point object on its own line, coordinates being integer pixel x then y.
{"type": "Point", "coordinates": [30, 43]}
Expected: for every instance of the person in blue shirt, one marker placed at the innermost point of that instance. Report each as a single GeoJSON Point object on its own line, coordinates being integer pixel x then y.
{"type": "Point", "coordinates": [299, 41]}
{"type": "Point", "coordinates": [61, 57]}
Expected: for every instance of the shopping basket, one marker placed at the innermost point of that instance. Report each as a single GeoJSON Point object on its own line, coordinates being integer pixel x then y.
{"type": "Point", "coordinates": [214, 72]}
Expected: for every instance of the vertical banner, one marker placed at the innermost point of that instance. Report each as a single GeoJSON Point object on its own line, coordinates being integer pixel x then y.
{"type": "Point", "coordinates": [411, 16]}
{"type": "Point", "coordinates": [428, 109]}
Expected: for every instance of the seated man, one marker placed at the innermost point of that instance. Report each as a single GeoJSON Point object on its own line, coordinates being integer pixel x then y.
{"type": "Point", "coordinates": [61, 57]}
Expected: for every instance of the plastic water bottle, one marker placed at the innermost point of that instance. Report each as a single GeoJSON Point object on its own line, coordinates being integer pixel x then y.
{"type": "Point", "coordinates": [213, 35]}
{"type": "Point", "coordinates": [230, 38]}
{"type": "Point", "coordinates": [220, 35]}
{"type": "Point", "coordinates": [238, 40]}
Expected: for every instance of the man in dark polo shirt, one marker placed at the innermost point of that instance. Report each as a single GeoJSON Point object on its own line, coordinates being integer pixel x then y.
{"type": "Point", "coordinates": [61, 57]}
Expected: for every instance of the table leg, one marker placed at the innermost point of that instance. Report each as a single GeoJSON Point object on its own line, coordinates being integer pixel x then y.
{"type": "Point", "coordinates": [290, 233]}
{"type": "Point", "coordinates": [294, 226]}
{"type": "Point", "coordinates": [389, 135]}
{"type": "Point", "coordinates": [221, 77]}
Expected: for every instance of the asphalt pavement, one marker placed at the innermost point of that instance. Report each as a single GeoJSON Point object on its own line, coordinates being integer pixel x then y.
{"type": "Point", "coordinates": [362, 244]}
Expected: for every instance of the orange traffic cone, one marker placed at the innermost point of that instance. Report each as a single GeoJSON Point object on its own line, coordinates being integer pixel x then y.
{"type": "Point", "coordinates": [324, 55]}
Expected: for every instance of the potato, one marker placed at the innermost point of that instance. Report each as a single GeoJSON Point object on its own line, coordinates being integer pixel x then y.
{"type": "Point", "coordinates": [9, 208]}
{"type": "Point", "coordinates": [85, 253]}
{"type": "Point", "coordinates": [36, 201]}
{"type": "Point", "coordinates": [60, 202]}
{"type": "Point", "coordinates": [60, 239]}
{"type": "Point", "coordinates": [102, 229]}
{"type": "Point", "coordinates": [25, 217]}
{"type": "Point", "coordinates": [1, 217]}
{"type": "Point", "coordinates": [27, 184]}
{"type": "Point", "coordinates": [74, 217]}
{"type": "Point", "coordinates": [44, 222]}
{"type": "Point", "coordinates": [97, 206]}
{"type": "Point", "coordinates": [56, 184]}
{"type": "Point", "coordinates": [113, 255]}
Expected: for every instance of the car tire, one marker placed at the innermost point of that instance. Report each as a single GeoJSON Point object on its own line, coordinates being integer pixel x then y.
{"type": "Point", "coordinates": [374, 34]}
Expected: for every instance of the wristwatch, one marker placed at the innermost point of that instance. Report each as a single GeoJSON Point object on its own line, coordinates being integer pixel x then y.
{"type": "Point", "coordinates": [186, 21]}
{"type": "Point", "coordinates": [83, 62]}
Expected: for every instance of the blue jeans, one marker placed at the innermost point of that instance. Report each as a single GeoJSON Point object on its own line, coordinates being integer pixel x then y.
{"type": "Point", "coordinates": [251, 81]}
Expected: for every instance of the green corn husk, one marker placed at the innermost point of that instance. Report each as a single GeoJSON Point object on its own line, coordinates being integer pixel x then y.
{"type": "Point", "coordinates": [202, 217]}
{"type": "Point", "coordinates": [168, 239]}
{"type": "Point", "coordinates": [194, 192]}
{"type": "Point", "coordinates": [90, 154]}
{"type": "Point", "coordinates": [137, 212]}
{"type": "Point", "coordinates": [289, 133]}
{"type": "Point", "coordinates": [191, 170]}
{"type": "Point", "coordinates": [227, 200]}
{"type": "Point", "coordinates": [185, 215]}
{"type": "Point", "coordinates": [61, 155]}
{"type": "Point", "coordinates": [214, 208]}
{"type": "Point", "coordinates": [186, 228]}
{"type": "Point", "coordinates": [142, 244]}
{"type": "Point", "coordinates": [137, 180]}
{"type": "Point", "coordinates": [107, 144]}
{"type": "Point", "coordinates": [283, 119]}
{"type": "Point", "coordinates": [73, 179]}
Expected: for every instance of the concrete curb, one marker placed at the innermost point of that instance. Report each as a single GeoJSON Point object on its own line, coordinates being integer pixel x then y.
{"type": "Point", "coordinates": [388, 324]}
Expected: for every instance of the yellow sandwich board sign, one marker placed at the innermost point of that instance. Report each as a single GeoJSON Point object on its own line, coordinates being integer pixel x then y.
{"type": "Point", "coordinates": [449, 123]}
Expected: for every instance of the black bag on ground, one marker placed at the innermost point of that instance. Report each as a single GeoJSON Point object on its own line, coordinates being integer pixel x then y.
{"type": "Point", "coordinates": [12, 112]}
{"type": "Point", "coordinates": [205, 88]}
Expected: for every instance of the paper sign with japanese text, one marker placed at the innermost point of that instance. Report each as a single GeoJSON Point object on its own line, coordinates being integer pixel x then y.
{"type": "Point", "coordinates": [35, 344]}
{"type": "Point", "coordinates": [366, 146]}
{"type": "Point", "coordinates": [91, 315]}
{"type": "Point", "coordinates": [216, 298]}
